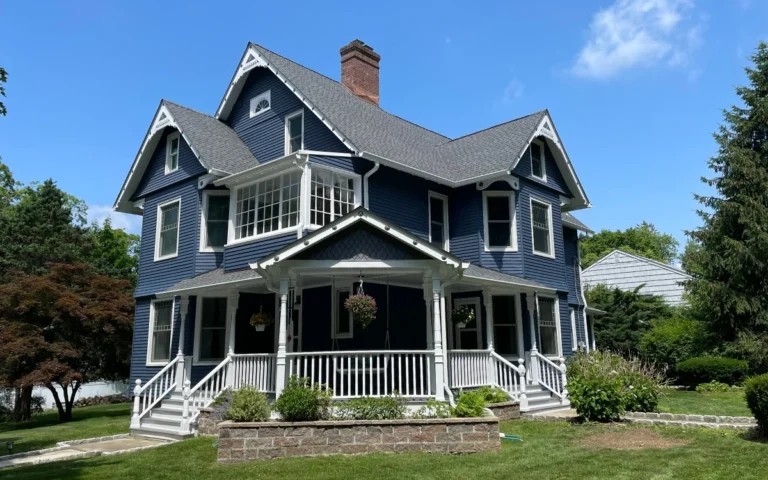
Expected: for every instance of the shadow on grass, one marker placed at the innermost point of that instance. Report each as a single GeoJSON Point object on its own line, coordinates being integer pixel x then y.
{"type": "Point", "coordinates": [65, 469]}
{"type": "Point", "coordinates": [51, 417]}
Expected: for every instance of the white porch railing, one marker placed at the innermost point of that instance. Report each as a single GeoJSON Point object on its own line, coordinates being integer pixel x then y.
{"type": "Point", "coordinates": [367, 373]}
{"type": "Point", "coordinates": [468, 368]}
{"type": "Point", "coordinates": [256, 370]}
{"type": "Point", "coordinates": [550, 375]}
{"type": "Point", "coordinates": [146, 397]}
{"type": "Point", "coordinates": [509, 378]}
{"type": "Point", "coordinates": [206, 390]}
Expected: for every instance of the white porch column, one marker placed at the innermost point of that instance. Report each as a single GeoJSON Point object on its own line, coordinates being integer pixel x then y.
{"type": "Point", "coordinates": [183, 309]}
{"type": "Point", "coordinates": [444, 330]}
{"type": "Point", "coordinates": [488, 301]}
{"type": "Point", "coordinates": [233, 301]}
{"type": "Point", "coordinates": [281, 338]}
{"type": "Point", "coordinates": [533, 366]}
{"type": "Point", "coordinates": [438, 339]}
{"type": "Point", "coordinates": [427, 302]}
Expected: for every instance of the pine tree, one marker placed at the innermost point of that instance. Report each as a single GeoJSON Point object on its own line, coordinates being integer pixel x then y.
{"type": "Point", "coordinates": [730, 285]}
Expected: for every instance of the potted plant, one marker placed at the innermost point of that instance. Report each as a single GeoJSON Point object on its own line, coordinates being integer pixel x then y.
{"type": "Point", "coordinates": [362, 307]}
{"type": "Point", "coordinates": [462, 316]}
{"type": "Point", "coordinates": [261, 320]}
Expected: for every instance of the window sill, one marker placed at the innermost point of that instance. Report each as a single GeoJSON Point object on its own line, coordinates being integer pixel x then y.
{"type": "Point", "coordinates": [211, 250]}
{"type": "Point", "coordinates": [544, 255]}
{"type": "Point", "coordinates": [539, 179]}
{"type": "Point", "coordinates": [167, 257]}
{"type": "Point", "coordinates": [263, 236]}
{"type": "Point", "coordinates": [168, 172]}
{"type": "Point", "coordinates": [500, 249]}
{"type": "Point", "coordinates": [157, 364]}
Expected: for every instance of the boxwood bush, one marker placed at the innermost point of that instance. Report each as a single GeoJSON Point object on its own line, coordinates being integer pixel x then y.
{"type": "Point", "coordinates": [372, 408]}
{"type": "Point", "coordinates": [698, 370]}
{"type": "Point", "coordinates": [303, 402]}
{"type": "Point", "coordinates": [469, 404]}
{"type": "Point", "coordinates": [248, 405]}
{"type": "Point", "coordinates": [756, 391]}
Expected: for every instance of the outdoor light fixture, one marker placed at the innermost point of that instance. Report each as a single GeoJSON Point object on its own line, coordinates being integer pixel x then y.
{"type": "Point", "coordinates": [10, 447]}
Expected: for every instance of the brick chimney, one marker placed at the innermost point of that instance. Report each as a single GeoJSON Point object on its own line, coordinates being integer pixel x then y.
{"type": "Point", "coordinates": [360, 70]}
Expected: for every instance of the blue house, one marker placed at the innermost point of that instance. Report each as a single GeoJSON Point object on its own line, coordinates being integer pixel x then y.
{"type": "Point", "coordinates": [299, 192]}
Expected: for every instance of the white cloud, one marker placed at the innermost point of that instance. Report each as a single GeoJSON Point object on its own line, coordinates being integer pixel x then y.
{"type": "Point", "coordinates": [129, 223]}
{"type": "Point", "coordinates": [639, 33]}
{"type": "Point", "coordinates": [513, 90]}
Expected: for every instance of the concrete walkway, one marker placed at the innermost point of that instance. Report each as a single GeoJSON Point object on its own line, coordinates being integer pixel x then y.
{"type": "Point", "coordinates": [81, 450]}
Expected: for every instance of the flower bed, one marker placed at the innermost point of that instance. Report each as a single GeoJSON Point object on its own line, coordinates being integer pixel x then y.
{"type": "Point", "coordinates": [243, 442]}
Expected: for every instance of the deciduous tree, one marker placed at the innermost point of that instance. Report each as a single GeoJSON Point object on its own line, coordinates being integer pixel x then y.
{"type": "Point", "coordinates": [644, 240]}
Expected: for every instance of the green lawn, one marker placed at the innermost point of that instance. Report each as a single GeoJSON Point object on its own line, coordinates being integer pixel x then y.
{"type": "Point", "coordinates": [549, 450]}
{"type": "Point", "coordinates": [45, 430]}
{"type": "Point", "coordinates": [717, 403]}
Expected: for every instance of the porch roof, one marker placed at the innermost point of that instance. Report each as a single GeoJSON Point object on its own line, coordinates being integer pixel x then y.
{"type": "Point", "coordinates": [211, 279]}
{"type": "Point", "coordinates": [488, 275]}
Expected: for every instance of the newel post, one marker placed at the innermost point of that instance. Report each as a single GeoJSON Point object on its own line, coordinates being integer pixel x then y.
{"type": "Point", "coordinates": [179, 373]}
{"type": "Point", "coordinates": [135, 422]}
{"type": "Point", "coordinates": [563, 380]}
{"type": "Point", "coordinates": [185, 407]}
{"type": "Point", "coordinates": [523, 398]}
{"type": "Point", "coordinates": [281, 338]}
{"type": "Point", "coordinates": [437, 338]}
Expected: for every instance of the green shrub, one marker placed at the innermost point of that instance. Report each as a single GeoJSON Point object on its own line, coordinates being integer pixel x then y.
{"type": "Point", "coordinates": [713, 386]}
{"type": "Point", "coordinates": [756, 391]}
{"type": "Point", "coordinates": [493, 395]}
{"type": "Point", "coordinates": [372, 408]}
{"type": "Point", "coordinates": [469, 404]}
{"type": "Point", "coordinates": [673, 340]}
{"type": "Point", "coordinates": [302, 402]}
{"type": "Point", "coordinates": [695, 371]}
{"type": "Point", "coordinates": [433, 409]}
{"type": "Point", "coordinates": [248, 405]}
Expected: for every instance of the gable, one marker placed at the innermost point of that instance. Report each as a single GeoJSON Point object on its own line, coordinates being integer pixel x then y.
{"type": "Point", "coordinates": [361, 242]}
{"type": "Point", "coordinates": [154, 177]}
{"type": "Point", "coordinates": [554, 176]}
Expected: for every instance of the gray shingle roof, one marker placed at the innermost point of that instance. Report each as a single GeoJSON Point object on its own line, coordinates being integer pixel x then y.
{"type": "Point", "coordinates": [218, 145]}
{"type": "Point", "coordinates": [209, 279]}
{"type": "Point", "coordinates": [482, 273]}
{"type": "Point", "coordinates": [571, 221]}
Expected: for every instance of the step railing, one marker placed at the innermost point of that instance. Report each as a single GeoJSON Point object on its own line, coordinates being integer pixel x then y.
{"type": "Point", "coordinates": [205, 392]}
{"type": "Point", "coordinates": [509, 378]}
{"type": "Point", "coordinates": [256, 370]}
{"type": "Point", "coordinates": [146, 397]}
{"type": "Point", "coordinates": [550, 375]}
{"type": "Point", "coordinates": [367, 373]}
{"type": "Point", "coordinates": [468, 368]}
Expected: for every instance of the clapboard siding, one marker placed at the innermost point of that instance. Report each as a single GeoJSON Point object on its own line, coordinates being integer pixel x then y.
{"type": "Point", "coordinates": [264, 134]}
{"type": "Point", "coordinates": [507, 262]}
{"type": "Point", "coordinates": [627, 272]}
{"type": "Point", "coordinates": [207, 261]}
{"type": "Point", "coordinates": [154, 177]}
{"type": "Point", "coordinates": [571, 248]}
{"type": "Point", "coordinates": [554, 177]}
{"type": "Point", "coordinates": [237, 257]}
{"type": "Point", "coordinates": [466, 223]}
{"type": "Point", "coordinates": [139, 368]}
{"type": "Point", "coordinates": [357, 165]}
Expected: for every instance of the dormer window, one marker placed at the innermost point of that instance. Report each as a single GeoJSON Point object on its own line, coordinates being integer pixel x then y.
{"type": "Point", "coordinates": [538, 161]}
{"type": "Point", "coordinates": [261, 103]}
{"type": "Point", "coordinates": [294, 132]}
{"type": "Point", "coordinates": [172, 153]}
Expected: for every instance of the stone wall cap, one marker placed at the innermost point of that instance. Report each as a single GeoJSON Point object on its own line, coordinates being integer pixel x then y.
{"type": "Point", "coordinates": [510, 403]}
{"type": "Point", "coordinates": [206, 410]}
{"type": "Point", "coordinates": [356, 423]}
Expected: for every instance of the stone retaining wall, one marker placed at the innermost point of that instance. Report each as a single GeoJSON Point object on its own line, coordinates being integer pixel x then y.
{"type": "Point", "coordinates": [684, 420]}
{"type": "Point", "coordinates": [243, 442]}
{"type": "Point", "coordinates": [208, 421]}
{"type": "Point", "coordinates": [505, 410]}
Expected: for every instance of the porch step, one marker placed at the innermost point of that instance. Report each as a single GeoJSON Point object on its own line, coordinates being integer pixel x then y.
{"type": "Point", "coordinates": [159, 432]}
{"type": "Point", "coordinates": [173, 423]}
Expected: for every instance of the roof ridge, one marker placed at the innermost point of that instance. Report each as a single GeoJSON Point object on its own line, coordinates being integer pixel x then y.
{"type": "Point", "coordinates": [165, 100]}
{"type": "Point", "coordinates": [495, 126]}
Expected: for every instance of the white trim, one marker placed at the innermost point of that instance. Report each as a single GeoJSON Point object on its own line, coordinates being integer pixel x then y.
{"type": "Point", "coordinates": [513, 220]}
{"type": "Point", "coordinates": [512, 180]}
{"type": "Point", "coordinates": [335, 312]}
{"type": "Point", "coordinates": [478, 321]}
{"type": "Point", "coordinates": [551, 253]}
{"type": "Point", "coordinates": [168, 152]}
{"type": "Point", "coordinates": [198, 326]}
{"type": "Point", "coordinates": [204, 220]}
{"type": "Point", "coordinates": [516, 322]}
{"type": "Point", "coordinates": [255, 101]}
{"type": "Point", "coordinates": [521, 324]}
{"type": "Point", "coordinates": [256, 238]}
{"type": "Point", "coordinates": [307, 202]}
{"type": "Point", "coordinates": [446, 227]}
{"type": "Point", "coordinates": [558, 335]}
{"type": "Point", "coordinates": [574, 335]}
{"type": "Point", "coordinates": [151, 333]}
{"type": "Point", "coordinates": [288, 118]}
{"type": "Point", "coordinates": [158, 225]}
{"type": "Point", "coordinates": [543, 148]}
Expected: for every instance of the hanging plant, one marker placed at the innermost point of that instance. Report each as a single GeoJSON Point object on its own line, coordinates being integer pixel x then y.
{"type": "Point", "coordinates": [362, 307]}
{"type": "Point", "coordinates": [463, 316]}
{"type": "Point", "coordinates": [261, 320]}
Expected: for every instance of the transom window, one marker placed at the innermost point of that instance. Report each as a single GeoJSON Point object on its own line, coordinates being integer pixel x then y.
{"type": "Point", "coordinates": [548, 326]}
{"type": "Point", "coordinates": [160, 335]}
{"type": "Point", "coordinates": [261, 103]}
{"type": "Point", "coordinates": [538, 162]}
{"type": "Point", "coordinates": [167, 239]}
{"type": "Point", "coordinates": [215, 220]}
{"type": "Point", "coordinates": [541, 225]}
{"type": "Point", "coordinates": [438, 220]}
{"type": "Point", "coordinates": [500, 223]}
{"type": "Point", "coordinates": [505, 325]}
{"type": "Point", "coordinates": [267, 206]}
{"type": "Point", "coordinates": [332, 196]}
{"type": "Point", "coordinates": [172, 153]}
{"type": "Point", "coordinates": [212, 332]}
{"type": "Point", "coordinates": [294, 132]}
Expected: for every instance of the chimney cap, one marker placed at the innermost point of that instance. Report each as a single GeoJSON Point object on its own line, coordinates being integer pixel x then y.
{"type": "Point", "coordinates": [360, 46]}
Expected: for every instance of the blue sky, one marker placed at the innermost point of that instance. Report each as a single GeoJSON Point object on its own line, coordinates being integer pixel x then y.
{"type": "Point", "coordinates": [635, 87]}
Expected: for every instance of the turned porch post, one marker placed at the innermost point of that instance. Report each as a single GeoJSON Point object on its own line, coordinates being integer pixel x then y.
{"type": "Point", "coordinates": [531, 303]}
{"type": "Point", "coordinates": [183, 308]}
{"type": "Point", "coordinates": [488, 301]}
{"type": "Point", "coordinates": [438, 340]}
{"type": "Point", "coordinates": [233, 301]}
{"type": "Point", "coordinates": [281, 338]}
{"type": "Point", "coordinates": [427, 300]}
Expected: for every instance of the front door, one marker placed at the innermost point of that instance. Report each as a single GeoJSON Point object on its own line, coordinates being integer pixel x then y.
{"type": "Point", "coordinates": [469, 336]}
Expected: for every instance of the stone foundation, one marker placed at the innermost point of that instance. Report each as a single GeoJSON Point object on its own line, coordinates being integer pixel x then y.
{"type": "Point", "coordinates": [243, 442]}
{"type": "Point", "coordinates": [505, 410]}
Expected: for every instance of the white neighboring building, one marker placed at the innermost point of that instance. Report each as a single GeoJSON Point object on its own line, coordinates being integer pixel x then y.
{"type": "Point", "coordinates": [626, 271]}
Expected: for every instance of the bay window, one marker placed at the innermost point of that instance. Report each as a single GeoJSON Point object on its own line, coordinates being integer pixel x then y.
{"type": "Point", "coordinates": [332, 195]}
{"type": "Point", "coordinates": [270, 205]}
{"type": "Point", "coordinates": [160, 329]}
{"type": "Point", "coordinates": [548, 331]}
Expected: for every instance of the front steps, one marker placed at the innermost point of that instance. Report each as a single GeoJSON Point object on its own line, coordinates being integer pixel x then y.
{"type": "Point", "coordinates": [163, 421]}
{"type": "Point", "coordinates": [541, 400]}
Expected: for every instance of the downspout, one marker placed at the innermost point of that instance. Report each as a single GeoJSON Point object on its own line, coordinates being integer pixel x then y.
{"type": "Point", "coordinates": [365, 183]}
{"type": "Point", "coordinates": [583, 298]}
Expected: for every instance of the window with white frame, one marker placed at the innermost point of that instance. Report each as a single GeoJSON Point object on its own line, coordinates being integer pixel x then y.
{"type": "Point", "coordinates": [438, 220]}
{"type": "Point", "coordinates": [342, 319]}
{"type": "Point", "coordinates": [574, 336]}
{"type": "Point", "coordinates": [215, 220]}
{"type": "Point", "coordinates": [548, 326]}
{"type": "Point", "coordinates": [541, 227]}
{"type": "Point", "coordinates": [267, 206]}
{"type": "Point", "coordinates": [161, 325]}
{"type": "Point", "coordinates": [261, 103]}
{"type": "Point", "coordinates": [172, 153]}
{"type": "Point", "coordinates": [332, 195]}
{"type": "Point", "coordinates": [211, 340]}
{"type": "Point", "coordinates": [538, 161]}
{"type": "Point", "coordinates": [500, 221]}
{"type": "Point", "coordinates": [505, 325]}
{"type": "Point", "coordinates": [167, 237]}
{"type": "Point", "coordinates": [294, 132]}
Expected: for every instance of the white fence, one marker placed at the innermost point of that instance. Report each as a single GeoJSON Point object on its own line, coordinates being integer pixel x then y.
{"type": "Point", "coordinates": [92, 389]}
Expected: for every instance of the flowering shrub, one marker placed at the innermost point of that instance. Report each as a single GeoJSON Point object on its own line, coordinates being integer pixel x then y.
{"type": "Point", "coordinates": [362, 307]}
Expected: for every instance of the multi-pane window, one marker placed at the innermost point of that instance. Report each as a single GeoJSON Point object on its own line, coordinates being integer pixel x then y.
{"type": "Point", "coordinates": [342, 319]}
{"type": "Point", "coordinates": [172, 153]}
{"type": "Point", "coordinates": [538, 168]}
{"type": "Point", "coordinates": [216, 220]}
{"type": "Point", "coordinates": [504, 325]}
{"type": "Point", "coordinates": [160, 342]}
{"type": "Point", "coordinates": [548, 326]}
{"type": "Point", "coordinates": [168, 231]}
{"type": "Point", "coordinates": [332, 196]}
{"type": "Point", "coordinates": [540, 224]}
{"type": "Point", "coordinates": [267, 206]}
{"type": "Point", "coordinates": [294, 133]}
{"type": "Point", "coordinates": [213, 323]}
{"type": "Point", "coordinates": [438, 221]}
{"type": "Point", "coordinates": [499, 220]}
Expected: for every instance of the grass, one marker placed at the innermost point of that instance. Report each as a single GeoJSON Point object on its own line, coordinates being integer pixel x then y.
{"type": "Point", "coordinates": [549, 450]}
{"type": "Point", "coordinates": [45, 430]}
{"type": "Point", "coordinates": [715, 403]}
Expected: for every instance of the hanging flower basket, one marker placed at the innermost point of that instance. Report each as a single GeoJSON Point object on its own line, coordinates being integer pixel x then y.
{"type": "Point", "coordinates": [362, 307]}
{"type": "Point", "coordinates": [463, 316]}
{"type": "Point", "coordinates": [261, 320]}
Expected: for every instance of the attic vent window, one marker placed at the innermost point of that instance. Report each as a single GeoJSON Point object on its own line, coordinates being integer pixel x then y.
{"type": "Point", "coordinates": [261, 103]}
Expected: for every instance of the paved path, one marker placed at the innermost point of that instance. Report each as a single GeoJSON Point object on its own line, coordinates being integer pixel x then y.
{"type": "Point", "coordinates": [83, 450]}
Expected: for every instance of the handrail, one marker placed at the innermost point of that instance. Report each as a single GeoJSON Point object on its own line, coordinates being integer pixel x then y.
{"type": "Point", "coordinates": [551, 376]}
{"type": "Point", "coordinates": [146, 397]}
{"type": "Point", "coordinates": [158, 375]}
{"type": "Point", "coordinates": [449, 396]}
{"type": "Point", "coordinates": [198, 397]}
{"type": "Point", "coordinates": [506, 362]}
{"type": "Point", "coordinates": [210, 375]}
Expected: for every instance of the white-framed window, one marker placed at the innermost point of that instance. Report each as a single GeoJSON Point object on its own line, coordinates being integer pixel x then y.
{"type": "Point", "coordinates": [172, 152]}
{"type": "Point", "coordinates": [541, 228]}
{"type": "Point", "coordinates": [499, 221]}
{"type": "Point", "coordinates": [549, 326]}
{"type": "Point", "coordinates": [470, 336]}
{"type": "Point", "coordinates": [266, 207]}
{"type": "Point", "coordinates": [333, 194]}
{"type": "Point", "coordinates": [438, 220]}
{"type": "Point", "coordinates": [210, 330]}
{"type": "Point", "coordinates": [538, 160]}
{"type": "Point", "coordinates": [294, 132]}
{"type": "Point", "coordinates": [261, 103]}
{"type": "Point", "coordinates": [342, 319]}
{"type": "Point", "coordinates": [574, 336]}
{"type": "Point", "coordinates": [160, 332]}
{"type": "Point", "coordinates": [215, 220]}
{"type": "Point", "coordinates": [505, 325]}
{"type": "Point", "coordinates": [167, 230]}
